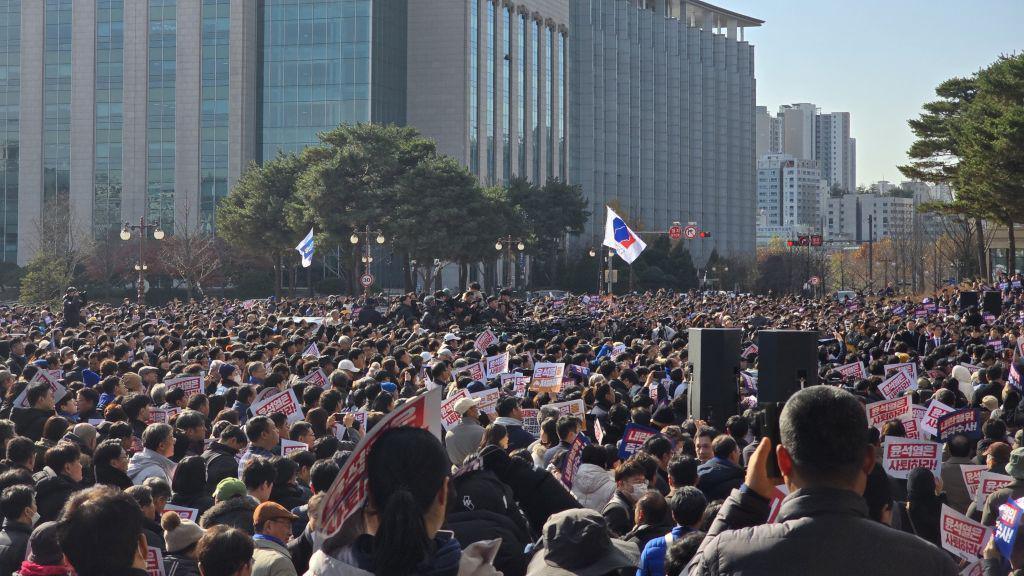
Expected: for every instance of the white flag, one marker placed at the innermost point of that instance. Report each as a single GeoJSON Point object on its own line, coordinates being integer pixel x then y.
{"type": "Point", "coordinates": [305, 249]}
{"type": "Point", "coordinates": [620, 238]}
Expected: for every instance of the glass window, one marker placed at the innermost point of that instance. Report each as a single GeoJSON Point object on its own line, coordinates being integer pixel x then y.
{"type": "Point", "coordinates": [489, 80]}
{"type": "Point", "coordinates": [474, 75]}
{"type": "Point", "coordinates": [160, 112]}
{"type": "Point", "coordinates": [107, 175]}
{"type": "Point", "coordinates": [10, 96]}
{"type": "Point", "coordinates": [506, 56]}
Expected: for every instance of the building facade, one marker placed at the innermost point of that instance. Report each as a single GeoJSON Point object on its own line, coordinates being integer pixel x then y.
{"type": "Point", "coordinates": [662, 118]}
{"type": "Point", "coordinates": [847, 215]}
{"type": "Point", "coordinates": [798, 132]}
{"type": "Point", "coordinates": [789, 197]}
{"type": "Point", "coordinates": [833, 150]}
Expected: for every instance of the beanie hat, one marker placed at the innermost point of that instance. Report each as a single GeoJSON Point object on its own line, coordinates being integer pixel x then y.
{"type": "Point", "coordinates": [990, 403]}
{"type": "Point", "coordinates": [226, 370]}
{"type": "Point", "coordinates": [228, 488]}
{"type": "Point", "coordinates": [179, 534]}
{"type": "Point", "coordinates": [90, 378]}
{"type": "Point", "coordinates": [43, 547]}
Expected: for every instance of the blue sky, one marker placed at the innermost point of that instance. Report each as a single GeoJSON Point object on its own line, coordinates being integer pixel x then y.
{"type": "Point", "coordinates": [879, 60]}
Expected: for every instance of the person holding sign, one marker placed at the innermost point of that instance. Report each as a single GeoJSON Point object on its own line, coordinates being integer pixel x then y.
{"type": "Point", "coordinates": [823, 525]}
{"type": "Point", "coordinates": [464, 438]}
{"type": "Point", "coordinates": [1014, 489]}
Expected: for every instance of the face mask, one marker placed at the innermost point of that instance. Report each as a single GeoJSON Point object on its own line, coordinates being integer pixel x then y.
{"type": "Point", "coordinates": [149, 348]}
{"type": "Point", "coordinates": [639, 490]}
{"type": "Point", "coordinates": [35, 518]}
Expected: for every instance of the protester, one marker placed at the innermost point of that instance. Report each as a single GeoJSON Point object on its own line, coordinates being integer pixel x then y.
{"type": "Point", "coordinates": [181, 537]}
{"type": "Point", "coordinates": [464, 438]}
{"type": "Point", "coordinates": [18, 508]}
{"type": "Point", "coordinates": [224, 551]}
{"type": "Point", "coordinates": [273, 526]}
{"type": "Point", "coordinates": [687, 506]}
{"type": "Point", "coordinates": [103, 519]}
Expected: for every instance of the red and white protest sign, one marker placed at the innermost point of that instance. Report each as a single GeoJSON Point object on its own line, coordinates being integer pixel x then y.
{"type": "Point", "coordinates": [547, 377]}
{"type": "Point", "coordinates": [317, 378]}
{"type": "Point", "coordinates": [531, 421]}
{"type": "Point", "coordinates": [449, 417]}
{"type": "Point", "coordinates": [778, 495]}
{"type": "Point", "coordinates": [931, 417]}
{"type": "Point", "coordinates": [881, 412]}
{"type": "Point", "coordinates": [972, 477]}
{"type": "Point", "coordinates": [989, 482]}
{"type": "Point", "coordinates": [852, 370]}
{"type": "Point", "coordinates": [911, 425]}
{"type": "Point", "coordinates": [289, 446]}
{"type": "Point", "coordinates": [901, 455]}
{"type": "Point", "coordinates": [908, 368]}
{"type": "Point", "coordinates": [162, 415]}
{"type": "Point", "coordinates": [474, 371]}
{"type": "Point", "coordinates": [497, 365]}
{"type": "Point", "coordinates": [598, 431]}
{"type": "Point", "coordinates": [154, 562]}
{"type": "Point", "coordinates": [58, 390]}
{"type": "Point", "coordinates": [483, 341]}
{"type": "Point", "coordinates": [488, 400]}
{"type": "Point", "coordinates": [348, 492]}
{"type": "Point", "coordinates": [573, 460]}
{"type": "Point", "coordinates": [976, 568]}
{"type": "Point", "coordinates": [961, 535]}
{"type": "Point", "coordinates": [896, 385]}
{"type": "Point", "coordinates": [572, 408]}
{"type": "Point", "coordinates": [283, 402]}
{"type": "Point", "coordinates": [518, 382]}
{"type": "Point", "coordinates": [191, 385]}
{"type": "Point", "coordinates": [752, 349]}
{"type": "Point", "coordinates": [184, 512]}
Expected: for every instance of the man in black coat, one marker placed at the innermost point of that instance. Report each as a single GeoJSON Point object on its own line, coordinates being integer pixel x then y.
{"type": "Point", "coordinates": [18, 508]}
{"type": "Point", "coordinates": [29, 422]}
{"type": "Point", "coordinates": [721, 474]}
{"type": "Point", "coordinates": [220, 456]}
{"type": "Point", "coordinates": [73, 303]}
{"type": "Point", "coordinates": [538, 493]}
{"type": "Point", "coordinates": [61, 478]}
{"type": "Point", "coordinates": [484, 508]}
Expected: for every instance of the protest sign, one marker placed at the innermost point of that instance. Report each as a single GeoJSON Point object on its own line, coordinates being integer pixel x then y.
{"type": "Point", "coordinates": [633, 439]}
{"type": "Point", "coordinates": [289, 446]}
{"type": "Point", "coordinates": [854, 370]}
{"type": "Point", "coordinates": [573, 460]}
{"type": "Point", "coordinates": [59, 391]}
{"type": "Point", "coordinates": [547, 377]}
{"type": "Point", "coordinates": [971, 367]}
{"type": "Point", "coordinates": [881, 412]}
{"type": "Point", "coordinates": [497, 365]}
{"type": "Point", "coordinates": [283, 402]}
{"type": "Point", "coordinates": [972, 477]}
{"type": "Point", "coordinates": [911, 424]}
{"type": "Point", "coordinates": [901, 455]}
{"type": "Point", "coordinates": [311, 350]}
{"type": "Point", "coordinates": [348, 492]}
{"type": "Point", "coordinates": [488, 400]}
{"type": "Point", "coordinates": [748, 351]}
{"type": "Point", "coordinates": [449, 417]}
{"type": "Point", "coordinates": [530, 421]}
{"type": "Point", "coordinates": [184, 512]}
{"type": "Point", "coordinates": [934, 411]}
{"type": "Point", "coordinates": [966, 422]}
{"type": "Point", "coordinates": [572, 408]}
{"type": "Point", "coordinates": [896, 385]}
{"type": "Point", "coordinates": [598, 431]}
{"type": "Point", "coordinates": [961, 535]}
{"type": "Point", "coordinates": [1007, 526]}
{"type": "Point", "coordinates": [618, 349]}
{"type": "Point", "coordinates": [317, 378]}
{"type": "Point", "coordinates": [154, 562]}
{"type": "Point", "coordinates": [778, 495]}
{"type": "Point", "coordinates": [484, 340]}
{"type": "Point", "coordinates": [989, 482]}
{"type": "Point", "coordinates": [191, 385]}
{"type": "Point", "coordinates": [975, 568]}
{"type": "Point", "coordinates": [652, 390]}
{"type": "Point", "coordinates": [908, 368]}
{"type": "Point", "coordinates": [474, 371]}
{"type": "Point", "coordinates": [162, 415]}
{"type": "Point", "coordinates": [997, 345]}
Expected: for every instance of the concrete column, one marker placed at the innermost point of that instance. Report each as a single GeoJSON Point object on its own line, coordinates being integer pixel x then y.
{"type": "Point", "coordinates": [30, 131]}
{"type": "Point", "coordinates": [543, 103]}
{"type": "Point", "coordinates": [514, 116]}
{"type": "Point", "coordinates": [531, 54]}
{"type": "Point", "coordinates": [243, 52]}
{"type": "Point", "coordinates": [499, 90]}
{"type": "Point", "coordinates": [731, 26]}
{"type": "Point", "coordinates": [136, 89]}
{"type": "Point", "coordinates": [83, 117]}
{"type": "Point", "coordinates": [481, 89]}
{"type": "Point", "coordinates": [187, 104]}
{"type": "Point", "coordinates": [555, 63]}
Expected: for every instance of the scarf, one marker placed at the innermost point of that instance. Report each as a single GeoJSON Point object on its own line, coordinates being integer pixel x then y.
{"type": "Point", "coordinates": [33, 569]}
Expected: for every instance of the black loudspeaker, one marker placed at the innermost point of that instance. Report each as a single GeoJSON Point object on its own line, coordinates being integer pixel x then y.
{"type": "Point", "coordinates": [993, 303]}
{"type": "Point", "coordinates": [967, 300]}
{"type": "Point", "coordinates": [786, 361]}
{"type": "Point", "coordinates": [713, 394]}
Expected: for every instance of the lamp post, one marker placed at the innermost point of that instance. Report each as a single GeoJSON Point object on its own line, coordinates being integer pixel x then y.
{"type": "Point", "coordinates": [367, 259]}
{"type": "Point", "coordinates": [593, 253]}
{"type": "Point", "coordinates": [509, 243]}
{"type": "Point", "coordinates": [142, 228]}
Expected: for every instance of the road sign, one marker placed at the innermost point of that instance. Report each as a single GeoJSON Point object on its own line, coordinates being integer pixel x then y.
{"type": "Point", "coordinates": [690, 232]}
{"type": "Point", "coordinates": [816, 240]}
{"type": "Point", "coordinates": [366, 280]}
{"type": "Point", "coordinates": [675, 232]}
{"type": "Point", "coordinates": [815, 280]}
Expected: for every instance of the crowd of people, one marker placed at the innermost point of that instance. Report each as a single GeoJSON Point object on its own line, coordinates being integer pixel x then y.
{"type": "Point", "coordinates": [110, 466]}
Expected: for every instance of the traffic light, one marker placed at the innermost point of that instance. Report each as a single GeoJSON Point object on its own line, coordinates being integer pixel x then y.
{"type": "Point", "coordinates": [705, 234]}
{"type": "Point", "coordinates": [790, 243]}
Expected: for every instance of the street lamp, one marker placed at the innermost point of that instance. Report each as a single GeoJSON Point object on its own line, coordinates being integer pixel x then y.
{"type": "Point", "coordinates": [508, 242]}
{"type": "Point", "coordinates": [126, 234]}
{"type": "Point", "coordinates": [366, 234]}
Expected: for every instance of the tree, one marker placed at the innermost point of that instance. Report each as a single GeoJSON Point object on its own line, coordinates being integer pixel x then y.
{"type": "Point", "coordinates": [551, 212]}
{"type": "Point", "coordinates": [252, 217]}
{"type": "Point", "coordinates": [63, 246]}
{"type": "Point", "coordinates": [191, 254]}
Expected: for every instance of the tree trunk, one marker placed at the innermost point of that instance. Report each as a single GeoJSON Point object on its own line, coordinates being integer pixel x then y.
{"type": "Point", "coordinates": [463, 276]}
{"type": "Point", "coordinates": [278, 276]}
{"type": "Point", "coordinates": [980, 240]}
{"type": "Point", "coordinates": [291, 285]}
{"type": "Point", "coordinates": [407, 278]}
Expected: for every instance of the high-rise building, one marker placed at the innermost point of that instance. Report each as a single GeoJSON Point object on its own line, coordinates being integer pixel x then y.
{"type": "Point", "coordinates": [789, 196]}
{"type": "Point", "coordinates": [662, 120]}
{"type": "Point", "coordinates": [847, 217]}
{"type": "Point", "coordinates": [832, 150]}
{"type": "Point", "coordinates": [798, 132]}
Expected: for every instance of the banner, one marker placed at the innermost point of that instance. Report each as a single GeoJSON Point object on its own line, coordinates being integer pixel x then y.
{"type": "Point", "coordinates": [530, 421]}
{"type": "Point", "coordinates": [318, 378]}
{"type": "Point", "coordinates": [972, 477]}
{"type": "Point", "coordinates": [184, 512]}
{"type": "Point", "coordinates": [855, 370]}
{"type": "Point", "coordinates": [908, 368]}
{"type": "Point", "coordinates": [283, 402]}
{"type": "Point", "coordinates": [881, 412]}
{"type": "Point", "coordinates": [449, 417]}
{"type": "Point", "coordinates": [191, 385]}
{"type": "Point", "coordinates": [488, 400]}
{"type": "Point", "coordinates": [547, 377]}
{"type": "Point", "coordinates": [572, 408]}
{"type": "Point", "coordinates": [162, 415]}
{"type": "Point", "coordinates": [961, 535]}
{"type": "Point", "coordinates": [497, 365]}
{"type": "Point", "coordinates": [989, 482]}
{"type": "Point", "coordinates": [936, 410]}
{"type": "Point", "coordinates": [483, 341]}
{"type": "Point", "coordinates": [573, 460]}
{"type": "Point", "coordinates": [633, 438]}
{"type": "Point", "coordinates": [1007, 526]}
{"type": "Point", "coordinates": [966, 422]}
{"type": "Point", "coordinates": [901, 455]}
{"type": "Point", "coordinates": [289, 446]}
{"type": "Point", "coordinates": [896, 385]}
{"type": "Point", "coordinates": [348, 492]}
{"type": "Point", "coordinates": [474, 371]}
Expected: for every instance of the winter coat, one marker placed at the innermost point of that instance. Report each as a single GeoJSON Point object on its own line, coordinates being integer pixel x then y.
{"type": "Point", "coordinates": [288, 495]}
{"type": "Point", "coordinates": [220, 464]}
{"type": "Point", "coordinates": [593, 486]}
{"type": "Point", "coordinates": [644, 533]}
{"type": "Point", "coordinates": [51, 494]}
{"type": "Point", "coordinates": [28, 422]}
{"type": "Point", "coordinates": [953, 484]}
{"type": "Point", "coordinates": [518, 437]}
{"type": "Point", "coordinates": [107, 474]}
{"type": "Point", "coordinates": [483, 525]}
{"type": "Point", "coordinates": [234, 513]}
{"type": "Point", "coordinates": [718, 477]}
{"type": "Point", "coordinates": [13, 542]}
{"type": "Point", "coordinates": [149, 464]}
{"type": "Point", "coordinates": [818, 531]}
{"type": "Point", "coordinates": [619, 515]}
{"type": "Point", "coordinates": [200, 502]}
{"type": "Point", "coordinates": [463, 439]}
{"type": "Point", "coordinates": [538, 493]}
{"type": "Point", "coordinates": [271, 559]}
{"type": "Point", "coordinates": [652, 556]}
{"type": "Point", "coordinates": [175, 565]}
{"type": "Point", "coordinates": [473, 560]}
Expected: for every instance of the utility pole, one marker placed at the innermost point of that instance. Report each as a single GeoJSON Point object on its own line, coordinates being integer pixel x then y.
{"type": "Point", "coordinates": [871, 251]}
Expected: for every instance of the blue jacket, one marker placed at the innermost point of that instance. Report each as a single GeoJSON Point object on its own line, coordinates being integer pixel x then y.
{"type": "Point", "coordinates": [652, 559]}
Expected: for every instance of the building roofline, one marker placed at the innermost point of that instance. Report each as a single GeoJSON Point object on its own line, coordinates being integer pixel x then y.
{"type": "Point", "coordinates": [743, 20]}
